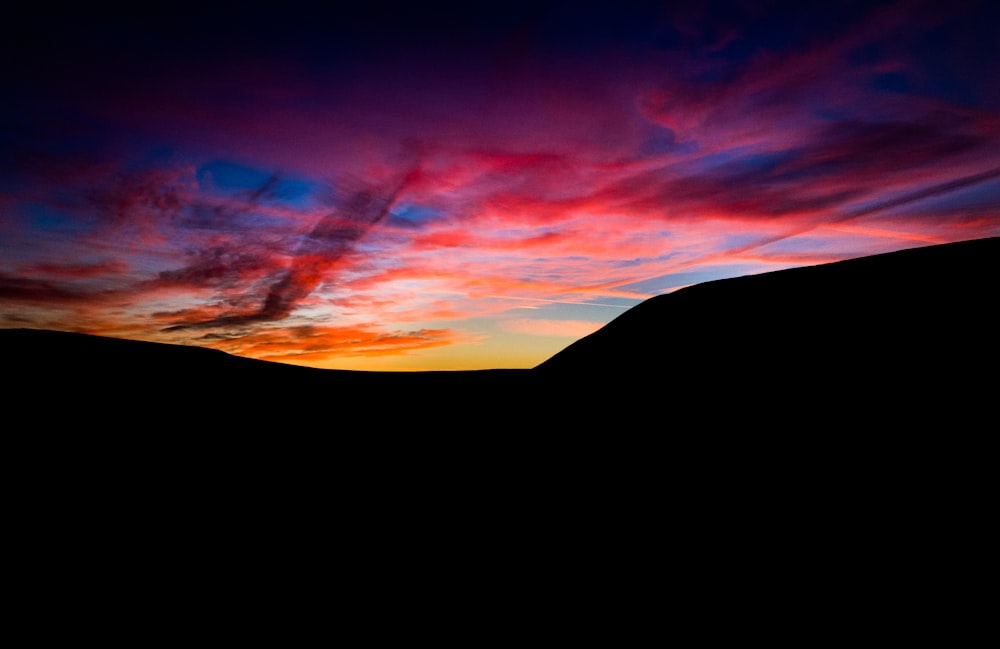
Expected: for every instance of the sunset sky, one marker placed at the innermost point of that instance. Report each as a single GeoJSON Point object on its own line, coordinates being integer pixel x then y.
{"type": "Point", "coordinates": [418, 186]}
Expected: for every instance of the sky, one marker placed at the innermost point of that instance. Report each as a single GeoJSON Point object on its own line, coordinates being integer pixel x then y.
{"type": "Point", "coordinates": [447, 186]}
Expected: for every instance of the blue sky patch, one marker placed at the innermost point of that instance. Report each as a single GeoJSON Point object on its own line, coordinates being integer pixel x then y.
{"type": "Point", "coordinates": [232, 178]}
{"type": "Point", "coordinates": [413, 215]}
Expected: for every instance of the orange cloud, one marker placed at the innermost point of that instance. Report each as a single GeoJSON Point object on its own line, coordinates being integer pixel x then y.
{"type": "Point", "coordinates": [308, 345]}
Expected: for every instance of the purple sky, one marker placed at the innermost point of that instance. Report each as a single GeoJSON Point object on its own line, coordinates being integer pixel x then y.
{"type": "Point", "coordinates": [407, 186]}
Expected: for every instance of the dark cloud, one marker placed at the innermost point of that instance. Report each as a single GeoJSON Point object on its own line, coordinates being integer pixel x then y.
{"type": "Point", "coordinates": [223, 267]}
{"type": "Point", "coordinates": [29, 290]}
{"type": "Point", "coordinates": [147, 197]}
{"type": "Point", "coordinates": [202, 215]}
{"type": "Point", "coordinates": [938, 189]}
{"type": "Point", "coordinates": [78, 271]}
{"type": "Point", "coordinates": [855, 148]}
{"type": "Point", "coordinates": [820, 171]}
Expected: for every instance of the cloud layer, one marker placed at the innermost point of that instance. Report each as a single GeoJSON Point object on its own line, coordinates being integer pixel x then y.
{"type": "Point", "coordinates": [405, 188]}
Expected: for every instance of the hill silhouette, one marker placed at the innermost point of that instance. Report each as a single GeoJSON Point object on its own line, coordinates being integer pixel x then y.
{"type": "Point", "coordinates": [881, 336]}
{"type": "Point", "coordinates": [817, 425]}
{"type": "Point", "coordinates": [900, 330]}
{"type": "Point", "coordinates": [81, 374]}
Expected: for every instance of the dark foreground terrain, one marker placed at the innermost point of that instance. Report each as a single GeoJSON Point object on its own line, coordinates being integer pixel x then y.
{"type": "Point", "coordinates": [813, 444]}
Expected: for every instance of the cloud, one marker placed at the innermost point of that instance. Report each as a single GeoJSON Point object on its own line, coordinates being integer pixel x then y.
{"type": "Point", "coordinates": [26, 289]}
{"type": "Point", "coordinates": [314, 258]}
{"type": "Point", "coordinates": [78, 271]}
{"type": "Point", "coordinates": [223, 267]}
{"type": "Point", "coordinates": [311, 344]}
{"type": "Point", "coordinates": [931, 191]}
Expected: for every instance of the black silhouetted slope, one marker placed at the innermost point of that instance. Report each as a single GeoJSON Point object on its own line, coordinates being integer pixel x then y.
{"type": "Point", "coordinates": [915, 324]}
{"type": "Point", "coordinates": [151, 382]}
{"type": "Point", "coordinates": [888, 335]}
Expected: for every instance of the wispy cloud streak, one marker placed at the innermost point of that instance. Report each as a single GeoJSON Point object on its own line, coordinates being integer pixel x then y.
{"type": "Point", "coordinates": [317, 254]}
